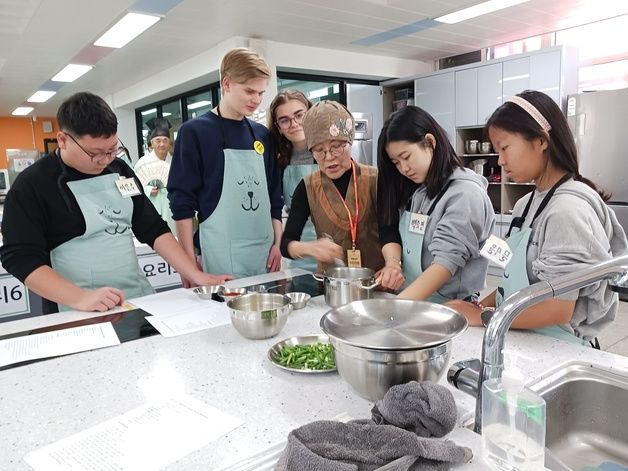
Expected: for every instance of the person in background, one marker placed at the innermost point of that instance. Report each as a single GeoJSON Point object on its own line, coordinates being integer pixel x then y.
{"type": "Point", "coordinates": [434, 214]}
{"type": "Point", "coordinates": [224, 167]}
{"type": "Point", "coordinates": [158, 141]}
{"type": "Point", "coordinates": [285, 121]}
{"type": "Point", "coordinates": [340, 197]}
{"type": "Point", "coordinates": [69, 219]}
{"type": "Point", "coordinates": [564, 225]}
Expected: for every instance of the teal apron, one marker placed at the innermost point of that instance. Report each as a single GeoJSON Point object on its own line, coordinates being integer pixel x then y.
{"type": "Point", "coordinates": [292, 176]}
{"type": "Point", "coordinates": [515, 275]}
{"type": "Point", "coordinates": [412, 246]}
{"type": "Point", "coordinates": [237, 237]}
{"type": "Point", "coordinates": [105, 254]}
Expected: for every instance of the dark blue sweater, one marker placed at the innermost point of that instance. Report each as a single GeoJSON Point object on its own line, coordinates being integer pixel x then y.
{"type": "Point", "coordinates": [198, 164]}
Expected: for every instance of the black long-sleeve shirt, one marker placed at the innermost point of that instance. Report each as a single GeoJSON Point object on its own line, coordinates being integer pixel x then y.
{"type": "Point", "coordinates": [300, 211]}
{"type": "Point", "coordinates": [41, 213]}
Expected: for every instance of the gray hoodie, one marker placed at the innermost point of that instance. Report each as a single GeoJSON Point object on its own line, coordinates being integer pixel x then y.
{"type": "Point", "coordinates": [458, 227]}
{"type": "Point", "coordinates": [576, 230]}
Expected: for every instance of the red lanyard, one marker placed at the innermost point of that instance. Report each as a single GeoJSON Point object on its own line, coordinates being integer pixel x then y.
{"type": "Point", "coordinates": [353, 221]}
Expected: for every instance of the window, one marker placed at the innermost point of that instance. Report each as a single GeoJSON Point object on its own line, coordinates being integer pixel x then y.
{"type": "Point", "coordinates": [177, 110]}
{"type": "Point", "coordinates": [199, 104]}
{"type": "Point", "coordinates": [603, 57]}
{"type": "Point", "coordinates": [315, 91]}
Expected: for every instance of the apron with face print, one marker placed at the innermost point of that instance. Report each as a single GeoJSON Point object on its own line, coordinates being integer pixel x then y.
{"type": "Point", "coordinates": [515, 275]}
{"type": "Point", "coordinates": [412, 228]}
{"type": "Point", "coordinates": [237, 237]}
{"type": "Point", "coordinates": [105, 254]}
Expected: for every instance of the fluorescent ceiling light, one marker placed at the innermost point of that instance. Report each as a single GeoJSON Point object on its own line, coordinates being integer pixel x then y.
{"type": "Point", "coordinates": [22, 110]}
{"type": "Point", "coordinates": [165, 113]}
{"type": "Point", "coordinates": [199, 104]}
{"type": "Point", "coordinates": [477, 10]}
{"type": "Point", "coordinates": [41, 96]}
{"type": "Point", "coordinates": [71, 72]}
{"type": "Point", "coordinates": [151, 111]}
{"type": "Point", "coordinates": [127, 29]}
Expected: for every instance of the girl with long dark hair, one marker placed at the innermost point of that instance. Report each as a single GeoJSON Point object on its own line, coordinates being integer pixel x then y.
{"type": "Point", "coordinates": [434, 214]}
{"type": "Point", "coordinates": [562, 226]}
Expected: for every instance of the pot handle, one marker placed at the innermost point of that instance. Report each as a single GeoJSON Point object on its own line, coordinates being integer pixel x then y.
{"type": "Point", "coordinates": [318, 277]}
{"type": "Point", "coordinates": [372, 285]}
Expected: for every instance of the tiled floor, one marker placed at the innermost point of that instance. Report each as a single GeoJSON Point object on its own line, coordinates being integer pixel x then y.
{"type": "Point", "coordinates": [613, 339]}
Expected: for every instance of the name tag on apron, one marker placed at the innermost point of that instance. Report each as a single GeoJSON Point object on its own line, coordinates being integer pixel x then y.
{"type": "Point", "coordinates": [354, 259]}
{"type": "Point", "coordinates": [497, 251]}
{"type": "Point", "coordinates": [127, 187]}
{"type": "Point", "coordinates": [418, 223]}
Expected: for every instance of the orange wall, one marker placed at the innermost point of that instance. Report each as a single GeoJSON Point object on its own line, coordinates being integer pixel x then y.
{"type": "Point", "coordinates": [19, 133]}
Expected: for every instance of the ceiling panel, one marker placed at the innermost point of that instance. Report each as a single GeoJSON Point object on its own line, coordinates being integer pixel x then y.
{"type": "Point", "coordinates": [37, 40]}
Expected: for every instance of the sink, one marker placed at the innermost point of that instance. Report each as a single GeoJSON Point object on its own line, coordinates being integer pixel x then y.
{"type": "Point", "coordinates": [587, 418]}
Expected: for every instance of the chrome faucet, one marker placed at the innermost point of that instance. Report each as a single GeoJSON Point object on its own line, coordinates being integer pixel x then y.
{"type": "Point", "coordinates": [469, 375]}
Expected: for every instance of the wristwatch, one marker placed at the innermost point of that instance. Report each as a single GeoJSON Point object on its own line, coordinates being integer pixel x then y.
{"type": "Point", "coordinates": [486, 315]}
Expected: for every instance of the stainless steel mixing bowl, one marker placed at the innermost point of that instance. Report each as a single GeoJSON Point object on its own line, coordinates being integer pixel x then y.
{"type": "Point", "coordinates": [379, 343]}
{"type": "Point", "coordinates": [206, 292]}
{"type": "Point", "coordinates": [259, 315]}
{"type": "Point", "coordinates": [299, 300]}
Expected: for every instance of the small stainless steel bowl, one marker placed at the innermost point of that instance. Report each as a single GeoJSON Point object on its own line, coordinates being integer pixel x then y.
{"type": "Point", "coordinates": [205, 292]}
{"type": "Point", "coordinates": [259, 315]}
{"type": "Point", "coordinates": [226, 294]}
{"type": "Point", "coordinates": [299, 300]}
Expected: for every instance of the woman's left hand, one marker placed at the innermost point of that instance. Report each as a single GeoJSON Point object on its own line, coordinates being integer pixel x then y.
{"type": "Point", "coordinates": [390, 277]}
{"type": "Point", "coordinates": [274, 259]}
{"type": "Point", "coordinates": [468, 310]}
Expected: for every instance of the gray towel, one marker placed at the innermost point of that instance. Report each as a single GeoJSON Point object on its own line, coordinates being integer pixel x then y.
{"type": "Point", "coordinates": [363, 446]}
{"type": "Point", "coordinates": [427, 409]}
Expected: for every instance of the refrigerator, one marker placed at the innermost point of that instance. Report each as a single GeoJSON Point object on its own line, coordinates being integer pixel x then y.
{"type": "Point", "coordinates": [599, 122]}
{"type": "Point", "coordinates": [362, 147]}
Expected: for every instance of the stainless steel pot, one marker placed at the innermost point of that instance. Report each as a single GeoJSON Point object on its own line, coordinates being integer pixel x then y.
{"type": "Point", "coordinates": [345, 284]}
{"type": "Point", "coordinates": [379, 343]}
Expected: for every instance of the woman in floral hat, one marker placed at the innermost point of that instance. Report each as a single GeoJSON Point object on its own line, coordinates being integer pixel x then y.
{"type": "Point", "coordinates": [340, 197]}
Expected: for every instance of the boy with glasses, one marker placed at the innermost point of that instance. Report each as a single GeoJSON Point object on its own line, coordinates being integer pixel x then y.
{"type": "Point", "coordinates": [69, 219]}
{"type": "Point", "coordinates": [340, 196]}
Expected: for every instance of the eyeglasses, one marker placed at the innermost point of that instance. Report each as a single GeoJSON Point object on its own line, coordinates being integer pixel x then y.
{"type": "Point", "coordinates": [285, 121]}
{"type": "Point", "coordinates": [101, 155]}
{"type": "Point", "coordinates": [334, 150]}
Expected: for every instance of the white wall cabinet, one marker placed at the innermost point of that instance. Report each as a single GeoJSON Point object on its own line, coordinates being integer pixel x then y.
{"type": "Point", "coordinates": [462, 99]}
{"type": "Point", "coordinates": [478, 94]}
{"type": "Point", "coordinates": [542, 72]}
{"type": "Point", "coordinates": [436, 95]}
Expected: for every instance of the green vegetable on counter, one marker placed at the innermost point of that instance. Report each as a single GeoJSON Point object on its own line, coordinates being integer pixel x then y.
{"type": "Point", "coordinates": [317, 356]}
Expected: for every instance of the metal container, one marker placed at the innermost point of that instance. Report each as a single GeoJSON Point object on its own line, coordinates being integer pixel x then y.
{"type": "Point", "coordinates": [227, 294]}
{"type": "Point", "coordinates": [379, 343]}
{"type": "Point", "coordinates": [346, 284]}
{"type": "Point", "coordinates": [259, 315]}
{"type": "Point", "coordinates": [206, 292]}
{"type": "Point", "coordinates": [299, 300]}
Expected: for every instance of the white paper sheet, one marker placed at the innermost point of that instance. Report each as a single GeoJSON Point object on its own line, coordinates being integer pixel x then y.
{"type": "Point", "coordinates": [181, 311]}
{"type": "Point", "coordinates": [146, 438]}
{"type": "Point", "coordinates": [58, 342]}
{"type": "Point", "coordinates": [188, 322]}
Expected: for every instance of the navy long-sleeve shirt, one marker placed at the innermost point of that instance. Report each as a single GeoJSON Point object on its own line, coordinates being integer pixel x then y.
{"type": "Point", "coordinates": [198, 163]}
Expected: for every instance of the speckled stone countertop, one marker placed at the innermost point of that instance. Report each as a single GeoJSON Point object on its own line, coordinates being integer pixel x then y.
{"type": "Point", "coordinates": [44, 402]}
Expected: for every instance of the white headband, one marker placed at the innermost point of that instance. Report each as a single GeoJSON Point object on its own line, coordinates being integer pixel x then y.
{"type": "Point", "coordinates": [532, 111]}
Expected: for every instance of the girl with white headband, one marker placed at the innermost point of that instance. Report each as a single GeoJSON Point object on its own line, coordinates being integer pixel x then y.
{"type": "Point", "coordinates": [562, 226]}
